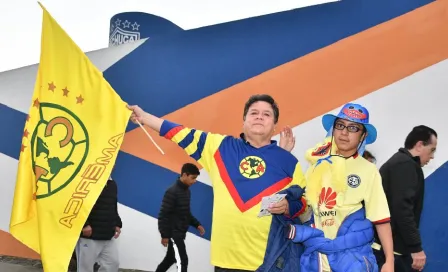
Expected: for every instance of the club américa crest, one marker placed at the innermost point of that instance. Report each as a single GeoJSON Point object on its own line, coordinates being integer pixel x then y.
{"type": "Point", "coordinates": [58, 145]}
{"type": "Point", "coordinates": [252, 167]}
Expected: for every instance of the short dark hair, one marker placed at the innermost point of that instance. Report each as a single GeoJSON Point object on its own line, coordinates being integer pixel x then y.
{"type": "Point", "coordinates": [367, 155]}
{"type": "Point", "coordinates": [189, 169]}
{"type": "Point", "coordinates": [265, 98]}
{"type": "Point", "coordinates": [419, 133]}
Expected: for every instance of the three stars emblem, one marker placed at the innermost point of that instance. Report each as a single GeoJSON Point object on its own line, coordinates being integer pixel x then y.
{"type": "Point", "coordinates": [36, 103]}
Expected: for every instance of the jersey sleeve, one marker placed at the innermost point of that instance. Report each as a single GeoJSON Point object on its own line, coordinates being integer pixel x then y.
{"type": "Point", "coordinates": [377, 209]}
{"type": "Point", "coordinates": [198, 144]}
{"type": "Point", "coordinates": [298, 206]}
{"type": "Point", "coordinates": [297, 177]}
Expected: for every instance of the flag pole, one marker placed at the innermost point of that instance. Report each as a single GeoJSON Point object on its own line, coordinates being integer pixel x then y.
{"type": "Point", "coordinates": [149, 136]}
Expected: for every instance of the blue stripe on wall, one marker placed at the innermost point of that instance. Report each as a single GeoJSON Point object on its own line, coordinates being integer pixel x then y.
{"type": "Point", "coordinates": [11, 136]}
{"type": "Point", "coordinates": [434, 222]}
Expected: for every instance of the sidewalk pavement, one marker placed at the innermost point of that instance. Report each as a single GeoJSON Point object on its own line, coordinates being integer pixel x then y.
{"type": "Point", "coordinates": [9, 267]}
{"type": "Point", "coordinates": [6, 267]}
{"type": "Point", "coordinates": [16, 264]}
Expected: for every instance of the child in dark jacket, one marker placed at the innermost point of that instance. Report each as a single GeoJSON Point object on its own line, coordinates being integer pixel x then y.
{"type": "Point", "coordinates": [175, 217]}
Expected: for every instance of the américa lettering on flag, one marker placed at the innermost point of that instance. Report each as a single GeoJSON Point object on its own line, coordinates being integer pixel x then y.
{"type": "Point", "coordinates": [71, 139]}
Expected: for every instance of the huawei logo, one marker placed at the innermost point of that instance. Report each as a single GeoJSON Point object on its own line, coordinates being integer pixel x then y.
{"type": "Point", "coordinates": [328, 198]}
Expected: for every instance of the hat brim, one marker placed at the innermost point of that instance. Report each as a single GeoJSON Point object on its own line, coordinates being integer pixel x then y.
{"type": "Point", "coordinates": [328, 121]}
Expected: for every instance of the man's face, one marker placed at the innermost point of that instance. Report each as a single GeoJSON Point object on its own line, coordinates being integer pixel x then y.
{"type": "Point", "coordinates": [189, 179]}
{"type": "Point", "coordinates": [259, 120]}
{"type": "Point", "coordinates": [426, 152]}
{"type": "Point", "coordinates": [347, 135]}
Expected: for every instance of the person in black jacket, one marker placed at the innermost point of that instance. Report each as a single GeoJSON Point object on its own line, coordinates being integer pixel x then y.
{"type": "Point", "coordinates": [103, 226]}
{"type": "Point", "coordinates": [403, 183]}
{"type": "Point", "coordinates": [175, 218]}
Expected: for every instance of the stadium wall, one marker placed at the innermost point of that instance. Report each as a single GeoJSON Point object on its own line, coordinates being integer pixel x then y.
{"type": "Point", "coordinates": [390, 55]}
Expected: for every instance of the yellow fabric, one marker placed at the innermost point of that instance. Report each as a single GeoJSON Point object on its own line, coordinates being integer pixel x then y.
{"type": "Point", "coordinates": [71, 139]}
{"type": "Point", "coordinates": [338, 190]}
{"type": "Point", "coordinates": [239, 239]}
{"type": "Point", "coordinates": [312, 155]}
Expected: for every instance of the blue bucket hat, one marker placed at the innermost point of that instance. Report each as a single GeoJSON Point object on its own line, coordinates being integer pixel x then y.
{"type": "Point", "coordinates": [353, 113]}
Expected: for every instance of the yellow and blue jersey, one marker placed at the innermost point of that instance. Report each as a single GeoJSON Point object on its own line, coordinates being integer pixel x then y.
{"type": "Point", "coordinates": [339, 187]}
{"type": "Point", "coordinates": [241, 175]}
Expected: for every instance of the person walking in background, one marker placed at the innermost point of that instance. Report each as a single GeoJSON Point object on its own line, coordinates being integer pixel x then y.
{"type": "Point", "coordinates": [175, 217]}
{"type": "Point", "coordinates": [103, 226]}
{"type": "Point", "coordinates": [403, 182]}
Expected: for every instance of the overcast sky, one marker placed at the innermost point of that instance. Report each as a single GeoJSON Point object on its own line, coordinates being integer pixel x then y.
{"type": "Point", "coordinates": [87, 21]}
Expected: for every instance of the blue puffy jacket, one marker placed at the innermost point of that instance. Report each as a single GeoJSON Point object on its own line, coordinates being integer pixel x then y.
{"type": "Point", "coordinates": [282, 254]}
{"type": "Point", "coordinates": [350, 251]}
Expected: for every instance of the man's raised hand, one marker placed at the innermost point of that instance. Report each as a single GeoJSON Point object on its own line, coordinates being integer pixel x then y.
{"type": "Point", "coordinates": [137, 114]}
{"type": "Point", "coordinates": [287, 139]}
{"type": "Point", "coordinates": [140, 117]}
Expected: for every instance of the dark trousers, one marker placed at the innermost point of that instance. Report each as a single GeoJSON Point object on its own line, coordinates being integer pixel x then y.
{"type": "Point", "coordinates": [219, 269]}
{"type": "Point", "coordinates": [176, 253]}
{"type": "Point", "coordinates": [403, 263]}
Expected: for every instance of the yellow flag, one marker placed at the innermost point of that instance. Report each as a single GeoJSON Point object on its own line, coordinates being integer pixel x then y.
{"type": "Point", "coordinates": [71, 139]}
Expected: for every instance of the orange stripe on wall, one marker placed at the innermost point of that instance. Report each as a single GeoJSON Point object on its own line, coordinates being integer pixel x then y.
{"type": "Point", "coordinates": [10, 246]}
{"type": "Point", "coordinates": [316, 83]}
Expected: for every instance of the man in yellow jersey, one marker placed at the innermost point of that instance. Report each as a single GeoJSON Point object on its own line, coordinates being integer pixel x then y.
{"type": "Point", "coordinates": [243, 170]}
{"type": "Point", "coordinates": [346, 196]}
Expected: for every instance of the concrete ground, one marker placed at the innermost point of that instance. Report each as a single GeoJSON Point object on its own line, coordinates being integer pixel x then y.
{"type": "Point", "coordinates": [15, 264]}
{"type": "Point", "coordinates": [6, 267]}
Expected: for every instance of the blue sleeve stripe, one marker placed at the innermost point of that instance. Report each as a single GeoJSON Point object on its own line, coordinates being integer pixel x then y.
{"type": "Point", "coordinates": [166, 127]}
{"type": "Point", "coordinates": [187, 140]}
{"type": "Point", "coordinates": [201, 143]}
